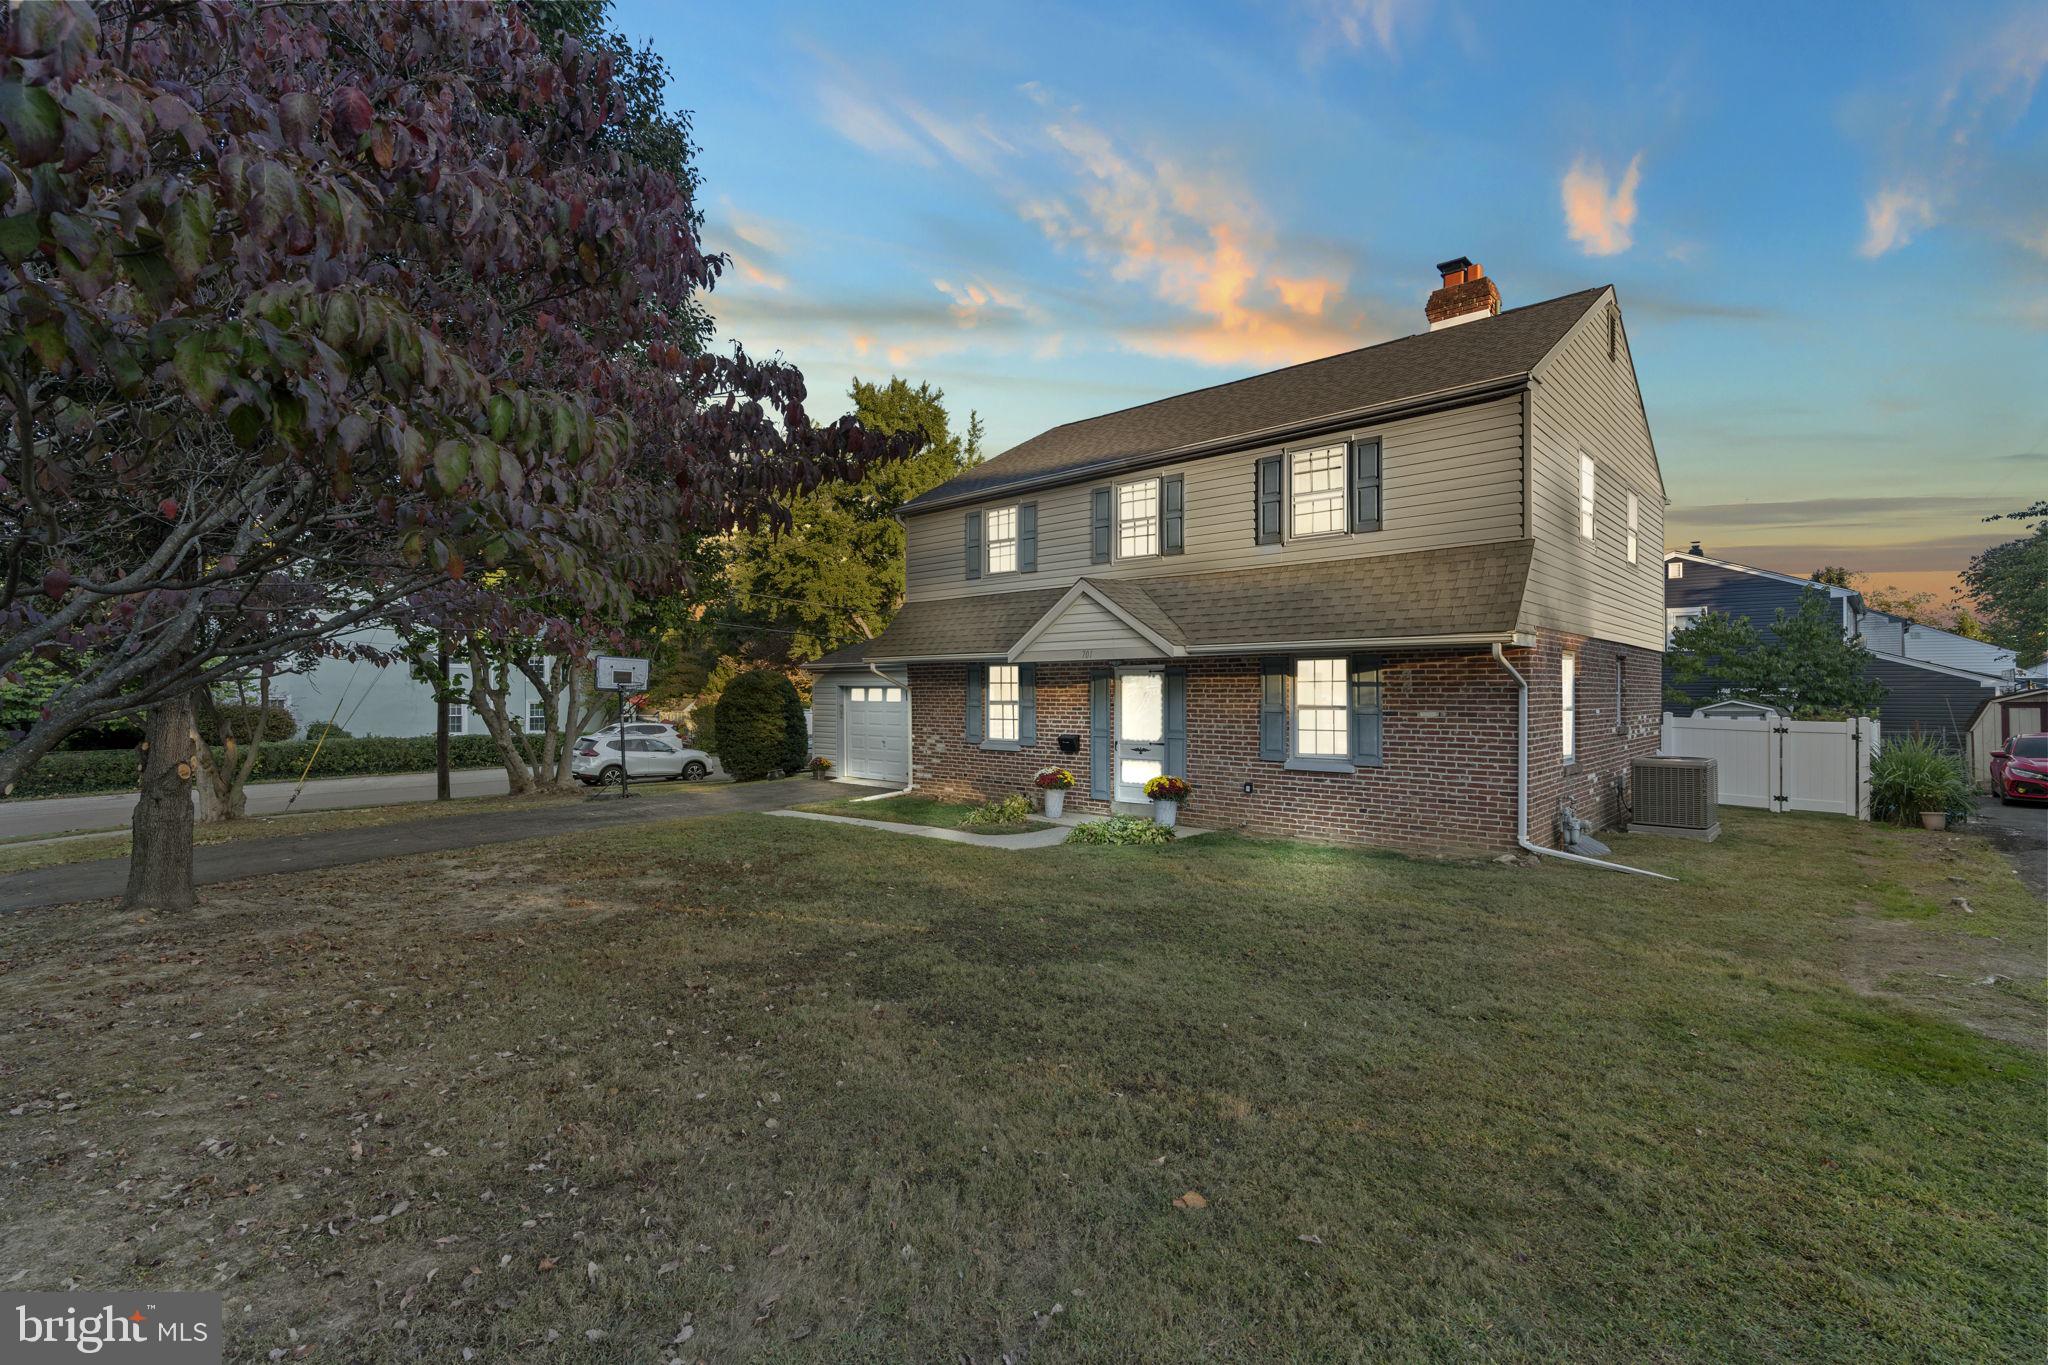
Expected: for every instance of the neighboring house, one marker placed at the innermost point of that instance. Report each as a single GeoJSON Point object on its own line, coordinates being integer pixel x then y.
{"type": "Point", "coordinates": [1934, 679]}
{"type": "Point", "coordinates": [1308, 592]}
{"type": "Point", "coordinates": [366, 699]}
{"type": "Point", "coordinates": [1999, 719]}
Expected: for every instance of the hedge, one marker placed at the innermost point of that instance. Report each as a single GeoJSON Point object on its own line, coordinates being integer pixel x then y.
{"type": "Point", "coordinates": [83, 771]}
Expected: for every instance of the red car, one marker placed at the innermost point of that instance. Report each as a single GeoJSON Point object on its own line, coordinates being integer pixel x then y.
{"type": "Point", "coordinates": [2019, 771]}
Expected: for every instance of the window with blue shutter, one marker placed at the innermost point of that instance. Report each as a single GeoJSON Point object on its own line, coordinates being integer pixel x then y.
{"type": "Point", "coordinates": [1027, 538]}
{"type": "Point", "coordinates": [1172, 514]}
{"type": "Point", "coordinates": [1100, 527]}
{"type": "Point", "coordinates": [1266, 501]}
{"type": "Point", "coordinates": [1365, 486]}
{"type": "Point", "coordinates": [1366, 711]}
{"type": "Point", "coordinates": [974, 544]}
{"type": "Point", "coordinates": [1101, 743]}
{"type": "Point", "coordinates": [977, 693]}
{"type": "Point", "coordinates": [1274, 676]}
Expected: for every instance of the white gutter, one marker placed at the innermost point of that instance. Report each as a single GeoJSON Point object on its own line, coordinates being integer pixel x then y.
{"type": "Point", "coordinates": [1522, 784]}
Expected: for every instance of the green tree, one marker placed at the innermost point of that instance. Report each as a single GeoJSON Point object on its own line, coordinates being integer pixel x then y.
{"type": "Point", "coordinates": [1810, 668]}
{"type": "Point", "coordinates": [2009, 584]}
{"type": "Point", "coordinates": [835, 575]}
{"type": "Point", "coordinates": [760, 724]}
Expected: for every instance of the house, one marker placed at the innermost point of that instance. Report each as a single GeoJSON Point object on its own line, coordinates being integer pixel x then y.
{"type": "Point", "coordinates": [1934, 679]}
{"type": "Point", "coordinates": [1317, 594]}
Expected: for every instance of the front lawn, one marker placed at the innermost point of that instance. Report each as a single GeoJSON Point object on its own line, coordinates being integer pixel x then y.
{"type": "Point", "coordinates": [749, 1088]}
{"type": "Point", "coordinates": [917, 810]}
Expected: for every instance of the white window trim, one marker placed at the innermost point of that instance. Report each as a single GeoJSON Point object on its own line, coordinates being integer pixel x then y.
{"type": "Point", "coordinates": [1675, 617]}
{"type": "Point", "coordinates": [1589, 495]}
{"type": "Point", "coordinates": [1008, 712]}
{"type": "Point", "coordinates": [541, 706]}
{"type": "Point", "coordinates": [1116, 519]}
{"type": "Point", "coordinates": [1674, 568]}
{"type": "Point", "coordinates": [1568, 704]}
{"type": "Point", "coordinates": [1634, 525]}
{"type": "Point", "coordinates": [1342, 492]}
{"type": "Point", "coordinates": [989, 540]}
{"type": "Point", "coordinates": [1297, 757]}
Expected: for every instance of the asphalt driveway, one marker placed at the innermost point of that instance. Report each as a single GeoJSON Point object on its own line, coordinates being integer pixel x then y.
{"type": "Point", "coordinates": [2022, 832]}
{"type": "Point", "coordinates": [235, 860]}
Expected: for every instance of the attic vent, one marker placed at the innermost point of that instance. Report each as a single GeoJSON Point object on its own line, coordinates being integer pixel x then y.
{"type": "Point", "coordinates": [1613, 332]}
{"type": "Point", "coordinates": [1678, 796]}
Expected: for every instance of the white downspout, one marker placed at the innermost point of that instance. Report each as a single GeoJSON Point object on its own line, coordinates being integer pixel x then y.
{"type": "Point", "coordinates": [909, 758]}
{"type": "Point", "coordinates": [1522, 784]}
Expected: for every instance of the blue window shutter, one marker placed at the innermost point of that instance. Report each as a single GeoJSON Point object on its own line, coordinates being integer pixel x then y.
{"type": "Point", "coordinates": [1100, 740]}
{"type": "Point", "coordinates": [1027, 704]}
{"type": "Point", "coordinates": [1365, 485]}
{"type": "Point", "coordinates": [977, 701]}
{"type": "Point", "coordinates": [1266, 502]}
{"type": "Point", "coordinates": [1177, 722]}
{"type": "Point", "coordinates": [1367, 708]}
{"type": "Point", "coordinates": [1027, 538]}
{"type": "Point", "coordinates": [1172, 514]}
{"type": "Point", "coordinates": [1099, 542]}
{"type": "Point", "coordinates": [974, 544]}
{"type": "Point", "coordinates": [1274, 675]}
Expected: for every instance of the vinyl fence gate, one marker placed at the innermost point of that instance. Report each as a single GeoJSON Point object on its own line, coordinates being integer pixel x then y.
{"type": "Point", "coordinates": [1773, 763]}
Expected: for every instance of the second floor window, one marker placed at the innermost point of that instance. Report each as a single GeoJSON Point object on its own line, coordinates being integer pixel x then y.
{"type": "Point", "coordinates": [1634, 525]}
{"type": "Point", "coordinates": [1587, 480]}
{"type": "Point", "coordinates": [1137, 519]}
{"type": "Point", "coordinates": [1005, 702]}
{"type": "Point", "coordinates": [1002, 540]}
{"type": "Point", "coordinates": [1318, 490]}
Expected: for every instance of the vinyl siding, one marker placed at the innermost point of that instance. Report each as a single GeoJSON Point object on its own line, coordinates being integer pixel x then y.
{"type": "Point", "coordinates": [1450, 478]}
{"type": "Point", "coordinates": [1890, 635]}
{"type": "Point", "coordinates": [826, 691]}
{"type": "Point", "coordinates": [1086, 630]}
{"type": "Point", "coordinates": [1926, 702]}
{"type": "Point", "coordinates": [1585, 402]}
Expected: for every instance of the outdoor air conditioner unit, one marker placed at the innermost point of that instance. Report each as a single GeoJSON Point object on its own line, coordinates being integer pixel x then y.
{"type": "Point", "coordinates": [1680, 796]}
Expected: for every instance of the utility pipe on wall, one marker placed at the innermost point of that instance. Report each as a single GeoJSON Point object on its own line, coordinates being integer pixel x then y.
{"type": "Point", "coordinates": [1522, 784]}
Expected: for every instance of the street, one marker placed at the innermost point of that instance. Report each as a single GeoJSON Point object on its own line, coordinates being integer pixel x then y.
{"type": "Point", "coordinates": [2022, 831]}
{"type": "Point", "coordinates": [72, 814]}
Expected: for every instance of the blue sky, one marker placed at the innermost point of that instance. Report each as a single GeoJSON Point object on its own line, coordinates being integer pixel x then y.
{"type": "Point", "coordinates": [1829, 228]}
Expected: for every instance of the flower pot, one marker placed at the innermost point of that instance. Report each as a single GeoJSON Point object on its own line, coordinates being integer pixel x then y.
{"type": "Point", "coordinates": [1164, 813]}
{"type": "Point", "coordinates": [1934, 819]}
{"type": "Point", "coordinates": [818, 774]}
{"type": "Point", "coordinates": [1055, 802]}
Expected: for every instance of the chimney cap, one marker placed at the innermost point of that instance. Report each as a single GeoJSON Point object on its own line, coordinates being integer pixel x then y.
{"type": "Point", "coordinates": [1454, 265]}
{"type": "Point", "coordinates": [1696, 549]}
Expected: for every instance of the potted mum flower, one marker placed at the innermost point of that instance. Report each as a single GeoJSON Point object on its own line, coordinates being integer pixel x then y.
{"type": "Point", "coordinates": [1054, 782]}
{"type": "Point", "coordinates": [1167, 793]}
{"type": "Point", "coordinates": [821, 767]}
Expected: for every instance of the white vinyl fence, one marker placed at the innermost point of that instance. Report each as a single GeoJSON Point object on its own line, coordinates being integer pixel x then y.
{"type": "Point", "coordinates": [1773, 763]}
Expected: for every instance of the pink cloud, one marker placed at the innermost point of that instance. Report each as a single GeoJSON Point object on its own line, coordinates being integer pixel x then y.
{"type": "Point", "coordinates": [1600, 220]}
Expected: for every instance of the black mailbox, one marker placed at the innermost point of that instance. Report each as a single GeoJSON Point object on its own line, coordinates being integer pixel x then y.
{"type": "Point", "coordinates": [1070, 744]}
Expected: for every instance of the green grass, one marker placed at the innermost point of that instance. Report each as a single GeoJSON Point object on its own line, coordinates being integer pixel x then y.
{"type": "Point", "coordinates": [917, 810]}
{"type": "Point", "coordinates": [826, 1096]}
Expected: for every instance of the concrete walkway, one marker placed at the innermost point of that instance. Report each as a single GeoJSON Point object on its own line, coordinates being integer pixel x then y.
{"type": "Point", "coordinates": [258, 857]}
{"type": "Point", "coordinates": [1036, 838]}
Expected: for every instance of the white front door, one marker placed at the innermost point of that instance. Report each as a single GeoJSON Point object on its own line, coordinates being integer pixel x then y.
{"type": "Point", "coordinates": [1140, 731]}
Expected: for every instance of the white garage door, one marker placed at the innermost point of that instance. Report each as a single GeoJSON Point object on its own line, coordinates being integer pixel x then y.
{"type": "Point", "coordinates": [877, 734]}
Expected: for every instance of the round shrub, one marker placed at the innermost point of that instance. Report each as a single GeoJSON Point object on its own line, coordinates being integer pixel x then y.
{"type": "Point", "coordinates": [760, 726]}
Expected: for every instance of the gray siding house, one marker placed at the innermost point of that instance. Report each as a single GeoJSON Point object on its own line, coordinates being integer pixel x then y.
{"type": "Point", "coordinates": [1315, 593]}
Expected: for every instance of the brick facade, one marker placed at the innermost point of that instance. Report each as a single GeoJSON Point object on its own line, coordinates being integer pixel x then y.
{"type": "Point", "coordinates": [1448, 781]}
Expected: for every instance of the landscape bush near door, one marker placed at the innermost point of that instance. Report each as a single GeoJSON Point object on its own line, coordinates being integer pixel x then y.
{"type": "Point", "coordinates": [760, 725]}
{"type": "Point", "coordinates": [85, 771]}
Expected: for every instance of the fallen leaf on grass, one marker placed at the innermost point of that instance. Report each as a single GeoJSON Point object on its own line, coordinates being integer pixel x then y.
{"type": "Point", "coordinates": [1191, 1200]}
{"type": "Point", "coordinates": [1310, 1238]}
{"type": "Point", "coordinates": [548, 1263]}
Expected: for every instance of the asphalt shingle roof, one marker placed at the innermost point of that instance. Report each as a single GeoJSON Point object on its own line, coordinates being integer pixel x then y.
{"type": "Point", "coordinates": [1472, 590]}
{"type": "Point", "coordinates": [1407, 368]}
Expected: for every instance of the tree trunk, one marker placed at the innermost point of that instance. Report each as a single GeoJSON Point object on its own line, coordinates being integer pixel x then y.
{"type": "Point", "coordinates": [160, 856]}
{"type": "Point", "coordinates": [223, 788]}
{"type": "Point", "coordinates": [441, 787]}
{"type": "Point", "coordinates": [488, 688]}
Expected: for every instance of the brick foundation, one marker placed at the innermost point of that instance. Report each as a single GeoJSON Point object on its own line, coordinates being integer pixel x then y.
{"type": "Point", "coordinates": [1448, 781]}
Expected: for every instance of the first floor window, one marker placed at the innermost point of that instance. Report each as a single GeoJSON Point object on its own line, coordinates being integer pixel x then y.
{"type": "Point", "coordinates": [1634, 525]}
{"type": "Point", "coordinates": [1318, 490]}
{"type": "Point", "coordinates": [1137, 520]}
{"type": "Point", "coordinates": [1002, 540]}
{"type": "Point", "coordinates": [1587, 481]}
{"type": "Point", "coordinates": [1322, 713]}
{"type": "Point", "coordinates": [1571, 707]}
{"type": "Point", "coordinates": [1005, 702]}
{"type": "Point", "coordinates": [536, 717]}
{"type": "Point", "coordinates": [458, 713]}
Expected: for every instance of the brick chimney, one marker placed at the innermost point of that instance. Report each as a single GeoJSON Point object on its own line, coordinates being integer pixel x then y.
{"type": "Point", "coordinates": [1467, 295]}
